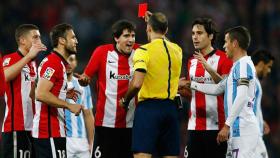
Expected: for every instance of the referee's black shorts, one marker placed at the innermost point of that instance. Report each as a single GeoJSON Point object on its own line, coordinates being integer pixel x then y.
{"type": "Point", "coordinates": [156, 128]}
{"type": "Point", "coordinates": [112, 143]}
{"type": "Point", "coordinates": [202, 144]}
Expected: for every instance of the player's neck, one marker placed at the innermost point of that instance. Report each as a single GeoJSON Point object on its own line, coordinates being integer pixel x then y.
{"type": "Point", "coordinates": [62, 52]}
{"type": "Point", "coordinates": [238, 54]}
{"type": "Point", "coordinates": [69, 76]}
{"type": "Point", "coordinates": [23, 51]}
{"type": "Point", "coordinates": [207, 50]}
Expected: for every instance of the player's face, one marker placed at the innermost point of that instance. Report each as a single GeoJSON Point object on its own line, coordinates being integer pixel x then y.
{"type": "Point", "coordinates": [72, 64]}
{"type": "Point", "coordinates": [71, 42]}
{"type": "Point", "coordinates": [200, 37]}
{"type": "Point", "coordinates": [126, 41]}
{"type": "Point", "coordinates": [33, 36]}
{"type": "Point", "coordinates": [267, 68]}
{"type": "Point", "coordinates": [228, 46]}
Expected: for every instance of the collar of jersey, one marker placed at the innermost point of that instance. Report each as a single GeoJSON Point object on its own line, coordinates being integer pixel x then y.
{"type": "Point", "coordinates": [19, 53]}
{"type": "Point", "coordinates": [60, 56]}
{"type": "Point", "coordinates": [211, 53]}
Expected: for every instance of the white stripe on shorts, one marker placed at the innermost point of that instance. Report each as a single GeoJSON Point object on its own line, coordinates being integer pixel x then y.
{"type": "Point", "coordinates": [53, 148]}
{"type": "Point", "coordinates": [15, 143]}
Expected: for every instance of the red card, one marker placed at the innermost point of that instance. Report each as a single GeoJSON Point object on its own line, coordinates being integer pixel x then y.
{"type": "Point", "coordinates": [142, 8]}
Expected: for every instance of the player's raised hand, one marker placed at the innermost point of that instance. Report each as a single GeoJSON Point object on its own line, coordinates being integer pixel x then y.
{"type": "Point", "coordinates": [74, 108]}
{"type": "Point", "coordinates": [72, 94]}
{"type": "Point", "coordinates": [223, 134]}
{"type": "Point", "coordinates": [197, 55]}
{"type": "Point", "coordinates": [83, 79]}
{"type": "Point", "coordinates": [35, 49]}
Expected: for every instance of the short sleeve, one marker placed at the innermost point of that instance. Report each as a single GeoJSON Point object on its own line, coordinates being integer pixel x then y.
{"type": "Point", "coordinates": [140, 59]}
{"type": "Point", "coordinates": [243, 71]}
{"type": "Point", "coordinates": [93, 64]}
{"type": "Point", "coordinates": [50, 71]}
{"type": "Point", "coordinates": [8, 61]}
{"type": "Point", "coordinates": [87, 98]}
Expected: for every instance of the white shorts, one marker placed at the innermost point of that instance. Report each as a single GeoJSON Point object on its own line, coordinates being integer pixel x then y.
{"type": "Point", "coordinates": [77, 148]}
{"type": "Point", "coordinates": [261, 148]}
{"type": "Point", "coordinates": [243, 147]}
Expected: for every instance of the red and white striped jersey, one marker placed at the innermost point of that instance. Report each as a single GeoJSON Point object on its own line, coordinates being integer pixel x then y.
{"type": "Point", "coordinates": [18, 112]}
{"type": "Point", "coordinates": [207, 111]}
{"type": "Point", "coordinates": [114, 71]}
{"type": "Point", "coordinates": [50, 121]}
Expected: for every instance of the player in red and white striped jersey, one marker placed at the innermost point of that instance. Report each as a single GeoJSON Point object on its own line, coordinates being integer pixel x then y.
{"type": "Point", "coordinates": [48, 123]}
{"type": "Point", "coordinates": [206, 116]}
{"type": "Point", "coordinates": [20, 74]}
{"type": "Point", "coordinates": [112, 63]}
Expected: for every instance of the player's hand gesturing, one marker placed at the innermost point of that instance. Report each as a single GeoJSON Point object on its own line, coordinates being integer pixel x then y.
{"type": "Point", "coordinates": [83, 79]}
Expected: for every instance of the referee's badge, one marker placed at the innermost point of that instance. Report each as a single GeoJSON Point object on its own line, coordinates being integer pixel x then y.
{"type": "Point", "coordinates": [48, 73]}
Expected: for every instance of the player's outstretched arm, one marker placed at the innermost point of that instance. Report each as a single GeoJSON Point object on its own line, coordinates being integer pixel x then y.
{"type": "Point", "coordinates": [211, 89]}
{"type": "Point", "coordinates": [43, 94]}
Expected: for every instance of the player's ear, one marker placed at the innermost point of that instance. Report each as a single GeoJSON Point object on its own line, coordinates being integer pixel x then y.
{"type": "Point", "coordinates": [21, 40]}
{"type": "Point", "coordinates": [235, 43]}
{"type": "Point", "coordinates": [211, 37]}
{"type": "Point", "coordinates": [61, 40]}
{"type": "Point", "coordinates": [116, 39]}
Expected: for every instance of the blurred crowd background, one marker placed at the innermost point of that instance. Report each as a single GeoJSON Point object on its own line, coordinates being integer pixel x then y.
{"type": "Point", "coordinates": [92, 20]}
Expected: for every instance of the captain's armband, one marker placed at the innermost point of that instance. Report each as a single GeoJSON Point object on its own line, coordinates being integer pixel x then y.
{"type": "Point", "coordinates": [243, 81]}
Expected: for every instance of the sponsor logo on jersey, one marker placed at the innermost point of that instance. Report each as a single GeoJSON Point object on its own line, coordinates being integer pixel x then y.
{"type": "Point", "coordinates": [119, 77]}
{"type": "Point", "coordinates": [201, 79]}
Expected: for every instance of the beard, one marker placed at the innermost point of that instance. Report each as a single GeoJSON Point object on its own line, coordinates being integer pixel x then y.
{"type": "Point", "coordinates": [70, 50]}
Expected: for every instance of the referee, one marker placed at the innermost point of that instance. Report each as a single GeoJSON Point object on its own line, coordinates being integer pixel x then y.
{"type": "Point", "coordinates": [157, 67]}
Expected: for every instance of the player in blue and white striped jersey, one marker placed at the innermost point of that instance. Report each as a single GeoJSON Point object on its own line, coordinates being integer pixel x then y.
{"type": "Point", "coordinates": [263, 62]}
{"type": "Point", "coordinates": [239, 94]}
{"type": "Point", "coordinates": [79, 129]}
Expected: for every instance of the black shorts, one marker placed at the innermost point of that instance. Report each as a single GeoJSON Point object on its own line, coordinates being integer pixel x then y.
{"type": "Point", "coordinates": [17, 144]}
{"type": "Point", "coordinates": [50, 147]}
{"type": "Point", "coordinates": [112, 143]}
{"type": "Point", "coordinates": [156, 128]}
{"type": "Point", "coordinates": [203, 144]}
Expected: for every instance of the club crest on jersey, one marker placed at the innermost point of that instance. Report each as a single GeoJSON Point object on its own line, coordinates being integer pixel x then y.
{"type": "Point", "coordinates": [48, 73]}
{"type": "Point", "coordinates": [120, 77]}
{"type": "Point", "coordinates": [6, 61]}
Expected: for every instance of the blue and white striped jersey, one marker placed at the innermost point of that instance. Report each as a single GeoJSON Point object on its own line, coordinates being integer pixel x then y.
{"type": "Point", "coordinates": [257, 105]}
{"type": "Point", "coordinates": [242, 122]}
{"type": "Point", "coordinates": [75, 126]}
